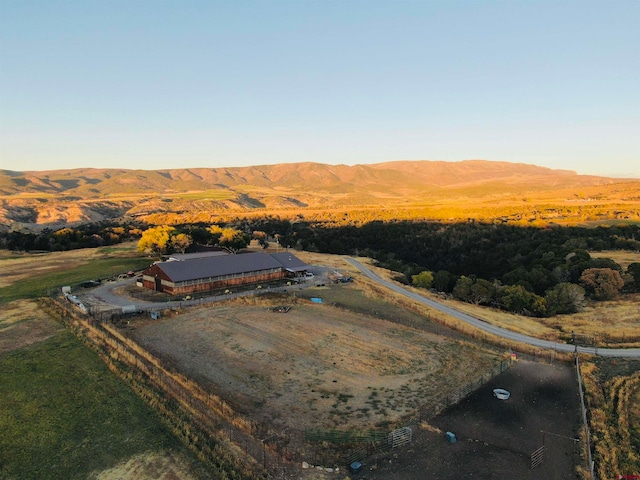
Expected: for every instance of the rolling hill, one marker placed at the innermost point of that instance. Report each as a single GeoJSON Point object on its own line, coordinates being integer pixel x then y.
{"type": "Point", "coordinates": [59, 197]}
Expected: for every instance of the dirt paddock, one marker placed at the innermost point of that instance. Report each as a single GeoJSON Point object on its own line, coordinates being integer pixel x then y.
{"type": "Point", "coordinates": [494, 438]}
{"type": "Point", "coordinates": [315, 366]}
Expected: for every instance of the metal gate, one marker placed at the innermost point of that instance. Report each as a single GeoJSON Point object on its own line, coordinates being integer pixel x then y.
{"type": "Point", "coordinates": [537, 457]}
{"type": "Point", "coordinates": [400, 437]}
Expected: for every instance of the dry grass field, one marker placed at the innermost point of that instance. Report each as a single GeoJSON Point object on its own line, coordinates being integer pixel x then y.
{"type": "Point", "coordinates": [23, 323]}
{"type": "Point", "coordinates": [152, 465]}
{"type": "Point", "coordinates": [16, 267]}
{"type": "Point", "coordinates": [316, 366]}
{"type": "Point", "coordinates": [621, 257]}
{"type": "Point", "coordinates": [613, 396]}
{"type": "Point", "coordinates": [614, 323]}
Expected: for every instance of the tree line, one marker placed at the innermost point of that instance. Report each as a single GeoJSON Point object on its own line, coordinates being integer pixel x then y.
{"type": "Point", "coordinates": [529, 270]}
{"type": "Point", "coordinates": [526, 270]}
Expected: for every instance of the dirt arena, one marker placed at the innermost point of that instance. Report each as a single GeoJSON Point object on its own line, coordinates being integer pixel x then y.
{"type": "Point", "coordinates": [494, 438]}
{"type": "Point", "coordinates": [315, 366]}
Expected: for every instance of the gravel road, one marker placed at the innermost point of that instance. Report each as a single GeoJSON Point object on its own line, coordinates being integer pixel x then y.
{"type": "Point", "coordinates": [487, 327]}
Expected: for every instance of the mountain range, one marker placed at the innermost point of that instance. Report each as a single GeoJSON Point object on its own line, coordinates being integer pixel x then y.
{"type": "Point", "coordinates": [60, 197]}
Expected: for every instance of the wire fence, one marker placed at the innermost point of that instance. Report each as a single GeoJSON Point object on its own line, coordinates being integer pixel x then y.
{"type": "Point", "coordinates": [278, 452]}
{"type": "Point", "coordinates": [427, 411]}
{"type": "Point", "coordinates": [583, 408]}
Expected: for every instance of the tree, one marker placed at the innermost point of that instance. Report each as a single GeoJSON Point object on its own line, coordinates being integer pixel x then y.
{"type": "Point", "coordinates": [261, 237]}
{"type": "Point", "coordinates": [482, 292]}
{"type": "Point", "coordinates": [462, 290]}
{"type": "Point", "coordinates": [422, 280]}
{"type": "Point", "coordinates": [201, 235]}
{"type": "Point", "coordinates": [181, 242]}
{"type": "Point", "coordinates": [602, 283]}
{"type": "Point", "coordinates": [155, 239]}
{"type": "Point", "coordinates": [540, 279]}
{"type": "Point", "coordinates": [517, 299]}
{"type": "Point", "coordinates": [564, 298]}
{"type": "Point", "coordinates": [229, 238]}
{"type": "Point", "coordinates": [233, 239]}
{"type": "Point", "coordinates": [634, 270]}
{"type": "Point", "coordinates": [215, 232]}
{"type": "Point", "coordinates": [444, 281]}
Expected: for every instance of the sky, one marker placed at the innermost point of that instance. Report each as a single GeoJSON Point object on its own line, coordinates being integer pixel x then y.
{"type": "Point", "coordinates": [157, 84]}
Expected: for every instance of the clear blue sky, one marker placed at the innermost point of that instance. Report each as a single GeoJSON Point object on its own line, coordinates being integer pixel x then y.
{"type": "Point", "coordinates": [171, 84]}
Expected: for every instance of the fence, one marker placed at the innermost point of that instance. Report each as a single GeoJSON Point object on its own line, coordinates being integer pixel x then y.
{"type": "Point", "coordinates": [105, 314]}
{"type": "Point", "coordinates": [427, 412]}
{"type": "Point", "coordinates": [272, 450]}
{"type": "Point", "coordinates": [537, 458]}
{"type": "Point", "coordinates": [584, 420]}
{"type": "Point", "coordinates": [207, 412]}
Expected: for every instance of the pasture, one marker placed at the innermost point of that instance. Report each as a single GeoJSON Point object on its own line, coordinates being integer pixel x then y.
{"type": "Point", "coordinates": [64, 416]}
{"type": "Point", "coordinates": [31, 275]}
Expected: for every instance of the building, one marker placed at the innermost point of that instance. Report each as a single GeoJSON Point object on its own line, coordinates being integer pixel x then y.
{"type": "Point", "coordinates": [203, 274]}
{"type": "Point", "coordinates": [179, 257]}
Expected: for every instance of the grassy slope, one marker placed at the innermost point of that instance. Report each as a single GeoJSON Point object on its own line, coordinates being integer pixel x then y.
{"type": "Point", "coordinates": [39, 283]}
{"type": "Point", "coordinates": [63, 415]}
{"type": "Point", "coordinates": [613, 390]}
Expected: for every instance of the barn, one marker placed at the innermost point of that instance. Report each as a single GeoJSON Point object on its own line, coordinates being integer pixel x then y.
{"type": "Point", "coordinates": [190, 275]}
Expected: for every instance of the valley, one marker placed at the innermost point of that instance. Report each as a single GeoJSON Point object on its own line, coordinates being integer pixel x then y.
{"type": "Point", "coordinates": [364, 361]}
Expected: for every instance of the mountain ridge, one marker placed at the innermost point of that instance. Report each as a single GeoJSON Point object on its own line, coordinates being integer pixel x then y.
{"type": "Point", "coordinates": [440, 173]}
{"type": "Point", "coordinates": [92, 194]}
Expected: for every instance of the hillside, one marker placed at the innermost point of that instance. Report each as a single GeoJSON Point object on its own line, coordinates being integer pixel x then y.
{"type": "Point", "coordinates": [59, 197]}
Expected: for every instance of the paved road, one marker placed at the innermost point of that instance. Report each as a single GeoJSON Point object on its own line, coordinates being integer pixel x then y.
{"type": "Point", "coordinates": [487, 327]}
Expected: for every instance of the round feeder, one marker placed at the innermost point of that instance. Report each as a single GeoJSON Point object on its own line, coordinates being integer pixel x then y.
{"type": "Point", "coordinates": [501, 394]}
{"type": "Point", "coordinates": [355, 467]}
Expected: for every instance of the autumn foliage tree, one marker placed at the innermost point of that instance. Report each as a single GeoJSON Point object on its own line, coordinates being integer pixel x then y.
{"type": "Point", "coordinates": [156, 239]}
{"type": "Point", "coordinates": [180, 242]}
{"type": "Point", "coordinates": [602, 283]}
{"type": "Point", "coordinates": [261, 237]}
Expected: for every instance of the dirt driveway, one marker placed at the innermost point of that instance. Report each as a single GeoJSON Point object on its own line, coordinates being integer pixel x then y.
{"type": "Point", "coordinates": [494, 438]}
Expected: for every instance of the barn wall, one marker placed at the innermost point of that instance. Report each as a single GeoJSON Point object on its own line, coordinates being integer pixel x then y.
{"type": "Point", "coordinates": [227, 283]}
{"type": "Point", "coordinates": [154, 274]}
{"type": "Point", "coordinates": [166, 286]}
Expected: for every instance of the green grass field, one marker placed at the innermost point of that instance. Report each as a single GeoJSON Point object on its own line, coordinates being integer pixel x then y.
{"type": "Point", "coordinates": [64, 415]}
{"type": "Point", "coordinates": [32, 286]}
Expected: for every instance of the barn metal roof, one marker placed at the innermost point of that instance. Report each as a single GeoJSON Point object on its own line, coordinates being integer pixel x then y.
{"type": "Point", "coordinates": [290, 261]}
{"type": "Point", "coordinates": [197, 268]}
{"type": "Point", "coordinates": [190, 256]}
